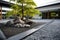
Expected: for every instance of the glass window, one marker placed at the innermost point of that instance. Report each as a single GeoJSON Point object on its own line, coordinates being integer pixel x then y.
{"type": "Point", "coordinates": [53, 14]}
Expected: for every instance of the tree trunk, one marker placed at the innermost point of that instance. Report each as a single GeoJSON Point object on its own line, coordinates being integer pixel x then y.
{"type": "Point", "coordinates": [22, 11]}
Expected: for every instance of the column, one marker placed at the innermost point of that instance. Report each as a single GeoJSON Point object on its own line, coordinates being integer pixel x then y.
{"type": "Point", "coordinates": [48, 15]}
{"type": "Point", "coordinates": [0, 12]}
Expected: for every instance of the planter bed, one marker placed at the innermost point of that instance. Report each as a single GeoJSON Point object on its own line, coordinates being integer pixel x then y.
{"type": "Point", "coordinates": [11, 31]}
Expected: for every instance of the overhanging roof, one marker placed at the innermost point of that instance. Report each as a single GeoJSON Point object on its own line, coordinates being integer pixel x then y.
{"type": "Point", "coordinates": [49, 7]}
{"type": "Point", "coordinates": [6, 4]}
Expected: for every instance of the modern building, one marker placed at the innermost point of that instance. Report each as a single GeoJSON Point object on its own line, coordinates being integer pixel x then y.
{"type": "Point", "coordinates": [50, 10]}
{"type": "Point", "coordinates": [4, 6]}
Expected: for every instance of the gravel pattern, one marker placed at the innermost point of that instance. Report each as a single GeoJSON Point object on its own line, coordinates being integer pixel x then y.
{"type": "Point", "coordinates": [49, 32]}
{"type": "Point", "coordinates": [10, 31]}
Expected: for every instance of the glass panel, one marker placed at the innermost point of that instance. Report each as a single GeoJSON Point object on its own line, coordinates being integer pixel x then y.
{"type": "Point", "coordinates": [53, 14]}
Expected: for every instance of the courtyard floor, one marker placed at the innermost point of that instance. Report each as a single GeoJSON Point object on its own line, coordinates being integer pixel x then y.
{"type": "Point", "coordinates": [49, 32]}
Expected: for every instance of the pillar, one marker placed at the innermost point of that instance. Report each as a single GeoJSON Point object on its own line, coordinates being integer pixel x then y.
{"type": "Point", "coordinates": [0, 12]}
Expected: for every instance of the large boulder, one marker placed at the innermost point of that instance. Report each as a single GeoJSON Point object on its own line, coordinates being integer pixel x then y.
{"type": "Point", "coordinates": [18, 20]}
{"type": "Point", "coordinates": [19, 23]}
{"type": "Point", "coordinates": [9, 23]}
{"type": "Point", "coordinates": [28, 22]}
{"type": "Point", "coordinates": [2, 24]}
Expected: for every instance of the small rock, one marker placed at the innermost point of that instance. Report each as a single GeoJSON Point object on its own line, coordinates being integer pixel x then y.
{"type": "Point", "coordinates": [27, 25]}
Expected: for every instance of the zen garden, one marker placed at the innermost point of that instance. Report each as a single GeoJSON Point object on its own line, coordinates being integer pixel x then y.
{"type": "Point", "coordinates": [22, 15]}
{"type": "Point", "coordinates": [30, 20]}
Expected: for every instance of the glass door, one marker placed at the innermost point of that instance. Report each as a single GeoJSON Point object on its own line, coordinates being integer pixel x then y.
{"type": "Point", "coordinates": [54, 15]}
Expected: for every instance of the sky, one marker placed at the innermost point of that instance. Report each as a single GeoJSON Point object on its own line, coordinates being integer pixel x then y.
{"type": "Point", "coordinates": [41, 2]}
{"type": "Point", "coordinates": [44, 2]}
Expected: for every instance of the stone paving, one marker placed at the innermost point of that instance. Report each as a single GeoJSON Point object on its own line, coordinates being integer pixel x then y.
{"type": "Point", "coordinates": [49, 32]}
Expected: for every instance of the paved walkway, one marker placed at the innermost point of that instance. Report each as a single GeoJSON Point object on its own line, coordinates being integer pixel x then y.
{"type": "Point", "coordinates": [49, 32]}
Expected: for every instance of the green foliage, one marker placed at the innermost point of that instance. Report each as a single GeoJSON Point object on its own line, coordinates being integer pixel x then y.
{"type": "Point", "coordinates": [53, 14]}
{"type": "Point", "coordinates": [40, 14]}
{"type": "Point", "coordinates": [28, 8]}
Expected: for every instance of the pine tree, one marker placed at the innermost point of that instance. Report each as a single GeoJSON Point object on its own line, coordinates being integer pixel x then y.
{"type": "Point", "coordinates": [23, 8]}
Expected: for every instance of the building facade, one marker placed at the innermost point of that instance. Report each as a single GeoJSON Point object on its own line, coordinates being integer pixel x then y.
{"type": "Point", "coordinates": [4, 6]}
{"type": "Point", "coordinates": [50, 11]}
